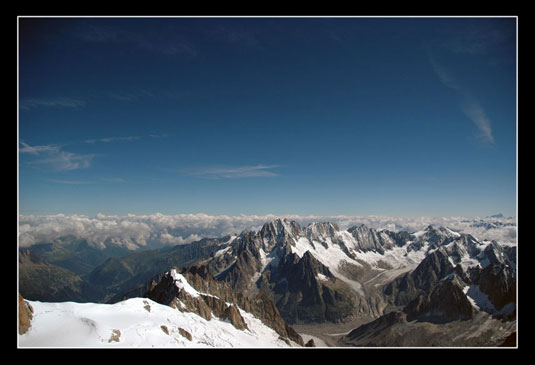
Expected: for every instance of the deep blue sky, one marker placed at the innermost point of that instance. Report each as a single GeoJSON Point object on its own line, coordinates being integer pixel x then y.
{"type": "Point", "coordinates": [326, 116]}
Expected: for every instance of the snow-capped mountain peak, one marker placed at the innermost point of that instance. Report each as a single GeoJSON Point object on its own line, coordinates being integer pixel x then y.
{"type": "Point", "coordinates": [193, 319]}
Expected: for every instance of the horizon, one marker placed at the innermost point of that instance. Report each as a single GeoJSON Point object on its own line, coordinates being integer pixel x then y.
{"type": "Point", "coordinates": [157, 230]}
{"type": "Point", "coordinates": [394, 117]}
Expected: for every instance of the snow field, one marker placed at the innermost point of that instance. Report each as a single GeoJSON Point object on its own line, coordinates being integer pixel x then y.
{"type": "Point", "coordinates": [71, 324]}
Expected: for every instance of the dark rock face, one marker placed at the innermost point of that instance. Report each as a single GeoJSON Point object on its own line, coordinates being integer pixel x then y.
{"type": "Point", "coordinates": [273, 233]}
{"type": "Point", "coordinates": [263, 308]}
{"type": "Point", "coordinates": [499, 283]}
{"type": "Point", "coordinates": [247, 262]}
{"type": "Point", "coordinates": [445, 303]}
{"type": "Point", "coordinates": [302, 297]}
{"type": "Point", "coordinates": [495, 254]}
{"type": "Point", "coordinates": [407, 287]}
{"type": "Point", "coordinates": [232, 313]}
{"type": "Point", "coordinates": [310, 343]}
{"type": "Point", "coordinates": [380, 324]}
{"type": "Point", "coordinates": [185, 333]}
{"type": "Point", "coordinates": [25, 315]}
{"type": "Point", "coordinates": [214, 298]}
{"type": "Point", "coordinates": [437, 236]}
{"type": "Point", "coordinates": [510, 341]}
{"type": "Point", "coordinates": [163, 292]}
{"type": "Point", "coordinates": [371, 240]}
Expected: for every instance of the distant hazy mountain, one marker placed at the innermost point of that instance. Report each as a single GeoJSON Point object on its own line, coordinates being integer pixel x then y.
{"type": "Point", "coordinates": [102, 278]}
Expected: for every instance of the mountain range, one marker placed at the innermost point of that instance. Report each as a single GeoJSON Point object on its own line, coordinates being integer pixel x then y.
{"type": "Point", "coordinates": [398, 285]}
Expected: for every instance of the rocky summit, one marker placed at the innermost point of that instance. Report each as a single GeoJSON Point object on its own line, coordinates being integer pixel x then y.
{"type": "Point", "coordinates": [195, 290]}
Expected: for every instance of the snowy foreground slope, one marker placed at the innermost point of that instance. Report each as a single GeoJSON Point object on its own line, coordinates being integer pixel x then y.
{"type": "Point", "coordinates": [141, 322]}
{"type": "Point", "coordinates": [72, 324]}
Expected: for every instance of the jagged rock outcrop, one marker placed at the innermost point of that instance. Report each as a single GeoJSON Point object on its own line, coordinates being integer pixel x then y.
{"type": "Point", "coordinates": [510, 341]}
{"type": "Point", "coordinates": [302, 296]}
{"type": "Point", "coordinates": [205, 305]}
{"type": "Point", "coordinates": [499, 283]}
{"type": "Point", "coordinates": [272, 233]}
{"type": "Point", "coordinates": [371, 240]}
{"type": "Point", "coordinates": [115, 336]}
{"type": "Point", "coordinates": [264, 308]}
{"type": "Point", "coordinates": [232, 313]}
{"type": "Point", "coordinates": [25, 315]}
{"type": "Point", "coordinates": [185, 333]}
{"type": "Point", "coordinates": [446, 302]}
{"type": "Point", "coordinates": [376, 328]}
{"type": "Point", "coordinates": [246, 262]}
{"type": "Point", "coordinates": [310, 343]}
{"type": "Point", "coordinates": [407, 287]}
{"type": "Point", "coordinates": [209, 297]}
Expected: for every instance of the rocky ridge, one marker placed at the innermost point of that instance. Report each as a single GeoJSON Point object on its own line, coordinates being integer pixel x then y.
{"type": "Point", "coordinates": [195, 290]}
{"type": "Point", "coordinates": [25, 315]}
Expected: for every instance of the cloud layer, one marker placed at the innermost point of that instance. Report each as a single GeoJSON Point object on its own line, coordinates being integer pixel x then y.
{"type": "Point", "coordinates": [135, 231]}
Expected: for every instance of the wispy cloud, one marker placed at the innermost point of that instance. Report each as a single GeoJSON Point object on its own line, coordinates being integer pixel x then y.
{"type": "Point", "coordinates": [477, 39]}
{"type": "Point", "coordinates": [58, 102]}
{"type": "Point", "coordinates": [146, 40]}
{"type": "Point", "coordinates": [476, 113]}
{"type": "Point", "coordinates": [35, 150]}
{"type": "Point", "coordinates": [124, 138]}
{"type": "Point", "coordinates": [115, 180]}
{"type": "Point", "coordinates": [130, 96]}
{"type": "Point", "coordinates": [154, 135]}
{"type": "Point", "coordinates": [112, 139]}
{"type": "Point", "coordinates": [69, 182]}
{"type": "Point", "coordinates": [232, 172]}
{"type": "Point", "coordinates": [443, 75]}
{"type": "Point", "coordinates": [54, 157]}
{"type": "Point", "coordinates": [119, 180]}
{"type": "Point", "coordinates": [64, 160]}
{"type": "Point", "coordinates": [469, 104]}
{"type": "Point", "coordinates": [234, 35]}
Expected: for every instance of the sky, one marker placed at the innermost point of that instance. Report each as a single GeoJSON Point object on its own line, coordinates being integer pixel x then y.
{"type": "Point", "coordinates": [270, 115]}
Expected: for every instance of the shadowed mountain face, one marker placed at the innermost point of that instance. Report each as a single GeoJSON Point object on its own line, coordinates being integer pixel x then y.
{"type": "Point", "coordinates": [405, 288]}
{"type": "Point", "coordinates": [446, 302]}
{"type": "Point", "coordinates": [195, 290]}
{"type": "Point", "coordinates": [110, 281]}
{"type": "Point", "coordinates": [40, 280]}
